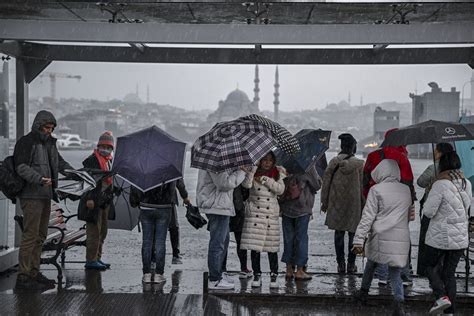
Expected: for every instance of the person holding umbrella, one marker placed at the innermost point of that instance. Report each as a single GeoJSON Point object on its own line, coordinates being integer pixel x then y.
{"type": "Point", "coordinates": [342, 199]}
{"type": "Point", "coordinates": [100, 200]}
{"type": "Point", "coordinates": [447, 237]}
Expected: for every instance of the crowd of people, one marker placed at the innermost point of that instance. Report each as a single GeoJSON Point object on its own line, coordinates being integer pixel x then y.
{"type": "Point", "coordinates": [372, 201]}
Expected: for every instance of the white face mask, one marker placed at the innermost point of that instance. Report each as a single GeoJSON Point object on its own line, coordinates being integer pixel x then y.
{"type": "Point", "coordinates": [105, 152]}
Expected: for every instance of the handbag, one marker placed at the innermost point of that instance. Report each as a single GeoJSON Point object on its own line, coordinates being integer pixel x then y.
{"type": "Point", "coordinates": [194, 217]}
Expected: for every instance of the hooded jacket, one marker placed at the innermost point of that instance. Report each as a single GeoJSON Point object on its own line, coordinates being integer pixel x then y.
{"type": "Point", "coordinates": [342, 197]}
{"type": "Point", "coordinates": [447, 205]}
{"type": "Point", "coordinates": [385, 217]}
{"type": "Point", "coordinates": [214, 192]}
{"type": "Point", "coordinates": [36, 159]}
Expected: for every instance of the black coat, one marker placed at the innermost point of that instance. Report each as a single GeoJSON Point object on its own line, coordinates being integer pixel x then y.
{"type": "Point", "coordinates": [236, 223]}
{"type": "Point", "coordinates": [162, 195]}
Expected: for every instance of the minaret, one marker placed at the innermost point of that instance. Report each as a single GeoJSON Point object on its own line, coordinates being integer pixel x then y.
{"type": "Point", "coordinates": [136, 89]}
{"type": "Point", "coordinates": [147, 93]}
{"type": "Point", "coordinates": [256, 89]}
{"type": "Point", "coordinates": [361, 100]}
{"type": "Point", "coordinates": [276, 95]}
{"type": "Point", "coordinates": [349, 98]}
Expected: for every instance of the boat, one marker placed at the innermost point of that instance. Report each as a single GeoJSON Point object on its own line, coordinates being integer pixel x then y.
{"type": "Point", "coordinates": [68, 141]}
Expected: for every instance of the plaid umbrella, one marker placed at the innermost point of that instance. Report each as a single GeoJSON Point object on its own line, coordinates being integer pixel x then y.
{"type": "Point", "coordinates": [287, 142]}
{"type": "Point", "coordinates": [231, 144]}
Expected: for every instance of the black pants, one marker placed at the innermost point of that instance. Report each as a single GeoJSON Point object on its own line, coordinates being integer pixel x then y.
{"type": "Point", "coordinates": [423, 259]}
{"type": "Point", "coordinates": [272, 259]}
{"type": "Point", "coordinates": [339, 245]}
{"type": "Point", "coordinates": [173, 228]}
{"type": "Point", "coordinates": [440, 271]}
{"type": "Point", "coordinates": [242, 254]}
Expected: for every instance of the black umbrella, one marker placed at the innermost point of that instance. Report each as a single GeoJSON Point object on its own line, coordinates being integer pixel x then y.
{"type": "Point", "coordinates": [430, 132]}
{"type": "Point", "coordinates": [313, 144]}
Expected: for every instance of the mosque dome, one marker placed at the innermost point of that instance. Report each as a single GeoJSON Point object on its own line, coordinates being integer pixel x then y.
{"type": "Point", "coordinates": [237, 96]}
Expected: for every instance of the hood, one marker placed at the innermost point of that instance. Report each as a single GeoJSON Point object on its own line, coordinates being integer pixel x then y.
{"type": "Point", "coordinates": [386, 171]}
{"type": "Point", "coordinates": [43, 117]}
{"type": "Point", "coordinates": [348, 165]}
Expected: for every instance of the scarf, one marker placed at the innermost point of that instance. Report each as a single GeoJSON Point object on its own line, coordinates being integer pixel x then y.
{"type": "Point", "coordinates": [272, 173]}
{"type": "Point", "coordinates": [104, 164]}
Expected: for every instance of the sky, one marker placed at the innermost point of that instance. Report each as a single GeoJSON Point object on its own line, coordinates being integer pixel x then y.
{"type": "Point", "coordinates": [302, 87]}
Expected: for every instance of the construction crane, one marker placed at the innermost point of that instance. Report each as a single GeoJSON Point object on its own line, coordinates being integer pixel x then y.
{"type": "Point", "coordinates": [52, 78]}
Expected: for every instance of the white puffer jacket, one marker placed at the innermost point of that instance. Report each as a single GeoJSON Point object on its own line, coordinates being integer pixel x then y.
{"type": "Point", "coordinates": [447, 206]}
{"type": "Point", "coordinates": [385, 217]}
{"type": "Point", "coordinates": [261, 231]}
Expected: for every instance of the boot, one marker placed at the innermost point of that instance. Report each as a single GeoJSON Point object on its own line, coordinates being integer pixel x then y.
{"type": "Point", "coordinates": [301, 275]}
{"type": "Point", "coordinates": [351, 268]}
{"type": "Point", "coordinates": [341, 267]}
{"type": "Point", "coordinates": [289, 272]}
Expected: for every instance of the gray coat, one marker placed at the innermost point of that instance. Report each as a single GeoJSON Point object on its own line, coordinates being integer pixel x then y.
{"type": "Point", "coordinates": [342, 197]}
{"type": "Point", "coordinates": [385, 217]}
{"type": "Point", "coordinates": [36, 159]}
{"type": "Point", "coordinates": [214, 192]}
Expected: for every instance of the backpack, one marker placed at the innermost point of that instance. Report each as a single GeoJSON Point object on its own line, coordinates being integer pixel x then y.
{"type": "Point", "coordinates": [11, 184]}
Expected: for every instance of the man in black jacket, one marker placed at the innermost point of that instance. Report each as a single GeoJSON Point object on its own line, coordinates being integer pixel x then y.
{"type": "Point", "coordinates": [38, 162]}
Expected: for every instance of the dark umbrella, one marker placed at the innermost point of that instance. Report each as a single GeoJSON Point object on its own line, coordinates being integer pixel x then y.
{"type": "Point", "coordinates": [231, 144]}
{"type": "Point", "coordinates": [126, 216]}
{"type": "Point", "coordinates": [430, 132]}
{"type": "Point", "coordinates": [314, 144]}
{"type": "Point", "coordinates": [149, 158]}
{"type": "Point", "coordinates": [285, 140]}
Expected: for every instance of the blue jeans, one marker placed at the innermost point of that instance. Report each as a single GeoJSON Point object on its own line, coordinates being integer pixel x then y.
{"type": "Point", "coordinates": [395, 279]}
{"type": "Point", "coordinates": [218, 243]}
{"type": "Point", "coordinates": [295, 239]}
{"type": "Point", "coordinates": [155, 227]}
{"type": "Point", "coordinates": [382, 272]}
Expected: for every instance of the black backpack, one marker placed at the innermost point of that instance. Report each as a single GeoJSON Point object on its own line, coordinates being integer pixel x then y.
{"type": "Point", "coordinates": [11, 183]}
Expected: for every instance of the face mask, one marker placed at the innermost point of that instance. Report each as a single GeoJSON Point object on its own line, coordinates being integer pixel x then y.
{"type": "Point", "coordinates": [105, 152]}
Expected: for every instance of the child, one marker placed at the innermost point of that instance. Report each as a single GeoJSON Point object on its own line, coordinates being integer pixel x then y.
{"type": "Point", "coordinates": [261, 231]}
{"type": "Point", "coordinates": [384, 224]}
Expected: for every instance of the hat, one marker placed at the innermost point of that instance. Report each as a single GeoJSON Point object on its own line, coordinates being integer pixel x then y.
{"type": "Point", "coordinates": [347, 139]}
{"type": "Point", "coordinates": [106, 139]}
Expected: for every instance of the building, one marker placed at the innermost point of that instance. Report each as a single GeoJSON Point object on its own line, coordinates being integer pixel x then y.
{"type": "Point", "coordinates": [435, 105]}
{"type": "Point", "coordinates": [385, 120]}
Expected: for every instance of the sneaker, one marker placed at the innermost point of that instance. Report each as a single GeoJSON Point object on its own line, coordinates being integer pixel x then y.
{"type": "Point", "coordinates": [245, 274]}
{"type": "Point", "coordinates": [440, 305]}
{"type": "Point", "coordinates": [257, 281]}
{"type": "Point", "coordinates": [146, 278]}
{"type": "Point", "coordinates": [176, 260]}
{"type": "Point", "coordinates": [341, 268]}
{"type": "Point", "coordinates": [407, 281]}
{"type": "Point", "coordinates": [227, 277]}
{"type": "Point", "coordinates": [383, 282]}
{"type": "Point", "coordinates": [44, 280]}
{"type": "Point", "coordinates": [274, 281]}
{"type": "Point", "coordinates": [220, 285]}
{"type": "Point", "coordinates": [107, 265]}
{"type": "Point", "coordinates": [351, 268]}
{"type": "Point", "coordinates": [95, 265]}
{"type": "Point", "coordinates": [362, 296]}
{"type": "Point", "coordinates": [159, 278]}
{"type": "Point", "coordinates": [25, 282]}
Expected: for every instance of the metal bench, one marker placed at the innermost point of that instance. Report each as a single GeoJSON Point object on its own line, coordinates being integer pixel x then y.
{"type": "Point", "coordinates": [59, 238]}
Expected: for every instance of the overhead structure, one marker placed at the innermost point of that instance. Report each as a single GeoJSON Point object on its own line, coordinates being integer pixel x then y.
{"type": "Point", "coordinates": [52, 78]}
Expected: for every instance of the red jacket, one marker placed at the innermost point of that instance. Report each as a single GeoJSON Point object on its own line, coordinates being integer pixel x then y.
{"type": "Point", "coordinates": [400, 155]}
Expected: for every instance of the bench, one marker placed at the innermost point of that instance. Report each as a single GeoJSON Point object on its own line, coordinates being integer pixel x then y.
{"type": "Point", "coordinates": [59, 238]}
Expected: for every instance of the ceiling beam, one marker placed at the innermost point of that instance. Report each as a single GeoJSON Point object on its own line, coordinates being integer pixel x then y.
{"type": "Point", "coordinates": [239, 34]}
{"type": "Point", "coordinates": [243, 55]}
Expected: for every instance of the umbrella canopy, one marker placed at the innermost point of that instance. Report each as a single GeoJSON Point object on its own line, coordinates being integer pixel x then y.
{"type": "Point", "coordinates": [286, 141]}
{"type": "Point", "coordinates": [126, 216]}
{"type": "Point", "coordinates": [465, 150]}
{"type": "Point", "coordinates": [74, 189]}
{"type": "Point", "coordinates": [149, 158]}
{"type": "Point", "coordinates": [231, 144]}
{"type": "Point", "coordinates": [314, 144]}
{"type": "Point", "coordinates": [430, 132]}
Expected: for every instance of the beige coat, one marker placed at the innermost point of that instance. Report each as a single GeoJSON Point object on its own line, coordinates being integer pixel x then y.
{"type": "Point", "coordinates": [342, 198]}
{"type": "Point", "coordinates": [261, 231]}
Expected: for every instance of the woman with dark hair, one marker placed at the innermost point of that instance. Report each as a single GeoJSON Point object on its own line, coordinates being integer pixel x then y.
{"type": "Point", "coordinates": [425, 180]}
{"type": "Point", "coordinates": [447, 236]}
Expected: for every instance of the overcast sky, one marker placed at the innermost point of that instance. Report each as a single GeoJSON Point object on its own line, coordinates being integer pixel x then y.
{"type": "Point", "coordinates": [202, 86]}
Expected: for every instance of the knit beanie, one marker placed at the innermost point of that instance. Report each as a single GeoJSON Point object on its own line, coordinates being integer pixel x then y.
{"type": "Point", "coordinates": [106, 139]}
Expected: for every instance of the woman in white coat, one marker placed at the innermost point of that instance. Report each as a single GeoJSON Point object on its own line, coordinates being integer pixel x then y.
{"type": "Point", "coordinates": [384, 226]}
{"type": "Point", "coordinates": [447, 236]}
{"type": "Point", "coordinates": [261, 231]}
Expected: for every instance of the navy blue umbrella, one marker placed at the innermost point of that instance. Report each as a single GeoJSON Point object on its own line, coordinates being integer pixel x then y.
{"type": "Point", "coordinates": [313, 144]}
{"type": "Point", "coordinates": [149, 158]}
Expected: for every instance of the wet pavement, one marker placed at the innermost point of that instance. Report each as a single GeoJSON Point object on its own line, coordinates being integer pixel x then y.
{"type": "Point", "coordinates": [120, 290]}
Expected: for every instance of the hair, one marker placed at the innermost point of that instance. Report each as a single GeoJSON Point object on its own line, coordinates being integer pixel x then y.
{"type": "Point", "coordinates": [272, 154]}
{"type": "Point", "coordinates": [449, 161]}
{"type": "Point", "coordinates": [444, 148]}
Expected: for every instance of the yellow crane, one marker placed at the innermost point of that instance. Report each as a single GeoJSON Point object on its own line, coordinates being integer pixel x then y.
{"type": "Point", "coordinates": [52, 79]}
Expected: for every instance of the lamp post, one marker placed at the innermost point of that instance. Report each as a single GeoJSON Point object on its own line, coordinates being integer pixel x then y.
{"type": "Point", "coordinates": [462, 95]}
